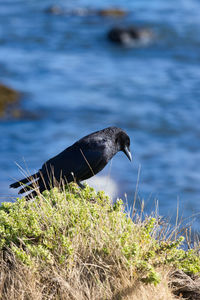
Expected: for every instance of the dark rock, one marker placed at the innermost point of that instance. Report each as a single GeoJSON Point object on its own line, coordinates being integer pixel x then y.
{"type": "Point", "coordinates": [112, 12]}
{"type": "Point", "coordinates": [8, 98]}
{"type": "Point", "coordinates": [129, 36]}
{"type": "Point", "coordinates": [122, 35]}
{"type": "Point", "coordinates": [81, 11]}
{"type": "Point", "coordinates": [185, 286]}
{"type": "Point", "coordinates": [10, 105]}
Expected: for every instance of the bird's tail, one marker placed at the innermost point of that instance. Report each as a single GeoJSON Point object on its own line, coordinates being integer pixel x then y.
{"type": "Point", "coordinates": [24, 180]}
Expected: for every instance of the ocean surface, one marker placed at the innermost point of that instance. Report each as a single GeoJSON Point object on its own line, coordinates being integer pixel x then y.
{"type": "Point", "coordinates": [74, 81]}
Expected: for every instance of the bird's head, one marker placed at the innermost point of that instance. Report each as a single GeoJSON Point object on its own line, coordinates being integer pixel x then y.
{"type": "Point", "coordinates": [122, 141]}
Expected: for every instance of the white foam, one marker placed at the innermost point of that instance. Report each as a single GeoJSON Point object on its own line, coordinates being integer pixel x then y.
{"type": "Point", "coordinates": [104, 183]}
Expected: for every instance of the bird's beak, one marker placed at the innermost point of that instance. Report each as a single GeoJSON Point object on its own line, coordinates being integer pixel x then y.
{"type": "Point", "coordinates": [128, 153]}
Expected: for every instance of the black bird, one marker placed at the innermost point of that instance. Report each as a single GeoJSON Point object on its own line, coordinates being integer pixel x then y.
{"type": "Point", "coordinates": [82, 160]}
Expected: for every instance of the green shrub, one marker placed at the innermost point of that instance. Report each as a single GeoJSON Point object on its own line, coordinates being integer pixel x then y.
{"type": "Point", "coordinates": [64, 228]}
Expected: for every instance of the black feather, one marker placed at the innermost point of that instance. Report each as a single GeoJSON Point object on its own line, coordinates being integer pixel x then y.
{"type": "Point", "coordinates": [25, 180]}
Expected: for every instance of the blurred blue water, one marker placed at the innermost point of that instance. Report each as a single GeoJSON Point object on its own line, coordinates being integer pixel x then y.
{"type": "Point", "coordinates": [76, 82]}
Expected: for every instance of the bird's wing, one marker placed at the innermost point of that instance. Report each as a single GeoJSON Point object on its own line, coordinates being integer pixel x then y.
{"type": "Point", "coordinates": [86, 164]}
{"type": "Point", "coordinates": [82, 163]}
{"type": "Point", "coordinates": [73, 165]}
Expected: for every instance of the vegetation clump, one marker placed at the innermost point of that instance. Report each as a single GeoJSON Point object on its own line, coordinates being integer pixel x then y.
{"type": "Point", "coordinates": [77, 245]}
